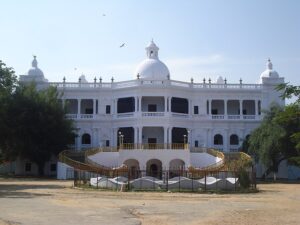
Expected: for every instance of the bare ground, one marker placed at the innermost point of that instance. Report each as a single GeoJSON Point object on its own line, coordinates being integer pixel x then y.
{"type": "Point", "coordinates": [39, 202]}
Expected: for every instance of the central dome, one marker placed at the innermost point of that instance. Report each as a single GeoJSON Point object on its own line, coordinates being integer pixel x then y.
{"type": "Point", "coordinates": [152, 68]}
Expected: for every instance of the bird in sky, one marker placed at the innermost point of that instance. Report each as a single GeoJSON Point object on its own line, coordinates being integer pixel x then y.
{"type": "Point", "coordinates": [122, 45]}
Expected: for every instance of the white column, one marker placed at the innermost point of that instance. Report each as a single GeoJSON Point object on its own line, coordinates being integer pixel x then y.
{"type": "Point", "coordinates": [135, 104]}
{"type": "Point", "coordinates": [209, 106]}
{"type": "Point", "coordinates": [165, 135]}
{"type": "Point", "coordinates": [79, 106]}
{"type": "Point", "coordinates": [135, 135]}
{"type": "Point", "coordinates": [115, 106]}
{"type": "Point", "coordinates": [140, 104]}
{"type": "Point", "coordinates": [140, 135]}
{"type": "Point", "coordinates": [170, 135]}
{"type": "Point", "coordinates": [94, 106]}
{"type": "Point", "coordinates": [166, 104]}
{"type": "Point", "coordinates": [225, 107]}
{"type": "Point", "coordinates": [170, 100]}
{"type": "Point", "coordinates": [256, 107]}
{"type": "Point", "coordinates": [241, 108]}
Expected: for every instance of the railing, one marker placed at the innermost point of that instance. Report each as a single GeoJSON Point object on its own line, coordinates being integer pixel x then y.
{"type": "Point", "coordinates": [153, 114]}
{"type": "Point", "coordinates": [125, 115]}
{"type": "Point", "coordinates": [233, 117]}
{"type": "Point", "coordinates": [249, 117]}
{"type": "Point", "coordinates": [162, 83]}
{"type": "Point", "coordinates": [180, 115]}
{"type": "Point", "coordinates": [154, 146]}
{"type": "Point", "coordinates": [217, 117]}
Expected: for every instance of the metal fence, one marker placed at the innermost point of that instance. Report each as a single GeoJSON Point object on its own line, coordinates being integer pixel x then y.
{"type": "Point", "coordinates": [167, 180]}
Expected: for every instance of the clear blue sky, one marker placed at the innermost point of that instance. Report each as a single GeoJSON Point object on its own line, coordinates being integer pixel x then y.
{"type": "Point", "coordinates": [231, 38]}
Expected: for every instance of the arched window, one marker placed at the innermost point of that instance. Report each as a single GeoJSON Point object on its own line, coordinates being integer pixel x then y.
{"type": "Point", "coordinates": [86, 139]}
{"type": "Point", "coordinates": [234, 139]}
{"type": "Point", "coordinates": [218, 139]}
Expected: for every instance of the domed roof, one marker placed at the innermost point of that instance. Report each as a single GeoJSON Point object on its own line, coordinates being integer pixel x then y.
{"type": "Point", "coordinates": [269, 72]}
{"type": "Point", "coordinates": [152, 68]}
{"type": "Point", "coordinates": [35, 71]}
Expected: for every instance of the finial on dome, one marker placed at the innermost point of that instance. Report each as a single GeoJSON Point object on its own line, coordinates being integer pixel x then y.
{"type": "Point", "coordinates": [34, 62]}
{"type": "Point", "coordinates": [269, 64]}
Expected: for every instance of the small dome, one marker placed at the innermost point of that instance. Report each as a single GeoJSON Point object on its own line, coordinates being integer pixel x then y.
{"type": "Point", "coordinates": [35, 71]}
{"type": "Point", "coordinates": [269, 72]}
{"type": "Point", "coordinates": [220, 80]}
{"type": "Point", "coordinates": [83, 79]}
{"type": "Point", "coordinates": [152, 67]}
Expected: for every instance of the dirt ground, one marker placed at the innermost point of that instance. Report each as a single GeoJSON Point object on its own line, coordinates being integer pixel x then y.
{"type": "Point", "coordinates": [39, 202]}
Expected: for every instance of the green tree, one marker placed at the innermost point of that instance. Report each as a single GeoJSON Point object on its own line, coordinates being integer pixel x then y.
{"type": "Point", "coordinates": [38, 127]}
{"type": "Point", "coordinates": [8, 83]}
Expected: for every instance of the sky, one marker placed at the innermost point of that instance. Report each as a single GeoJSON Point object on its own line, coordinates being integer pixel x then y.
{"type": "Point", "coordinates": [199, 39]}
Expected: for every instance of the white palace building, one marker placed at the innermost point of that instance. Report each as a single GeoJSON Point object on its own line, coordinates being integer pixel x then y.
{"type": "Point", "coordinates": [152, 115]}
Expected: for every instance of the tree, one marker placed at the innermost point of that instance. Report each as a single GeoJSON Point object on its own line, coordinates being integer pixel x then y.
{"type": "Point", "coordinates": [8, 83]}
{"type": "Point", "coordinates": [267, 141]}
{"type": "Point", "coordinates": [37, 125]}
{"type": "Point", "coordinates": [291, 117]}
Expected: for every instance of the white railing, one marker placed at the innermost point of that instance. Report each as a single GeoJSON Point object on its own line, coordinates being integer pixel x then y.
{"type": "Point", "coordinates": [125, 115]}
{"type": "Point", "coordinates": [86, 116]}
{"type": "Point", "coordinates": [217, 117]}
{"type": "Point", "coordinates": [153, 114]}
{"type": "Point", "coordinates": [249, 117]}
{"type": "Point", "coordinates": [233, 117]}
{"type": "Point", "coordinates": [162, 83]}
{"type": "Point", "coordinates": [180, 115]}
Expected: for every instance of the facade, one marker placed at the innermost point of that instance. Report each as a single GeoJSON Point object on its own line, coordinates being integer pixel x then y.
{"type": "Point", "coordinates": [154, 112]}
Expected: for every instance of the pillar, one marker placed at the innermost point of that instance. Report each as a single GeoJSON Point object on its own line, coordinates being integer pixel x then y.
{"type": "Point", "coordinates": [165, 135]}
{"type": "Point", "coordinates": [79, 107]}
{"type": "Point", "coordinates": [256, 107]}
{"type": "Point", "coordinates": [140, 104]}
{"type": "Point", "coordinates": [170, 135]}
{"type": "Point", "coordinates": [169, 105]}
{"type": "Point", "coordinates": [209, 106]}
{"type": "Point", "coordinates": [166, 104]}
{"type": "Point", "coordinates": [241, 108]}
{"type": "Point", "coordinates": [140, 135]}
{"type": "Point", "coordinates": [135, 104]}
{"type": "Point", "coordinates": [226, 141]}
{"type": "Point", "coordinates": [135, 135]}
{"type": "Point", "coordinates": [225, 107]}
{"type": "Point", "coordinates": [94, 106]}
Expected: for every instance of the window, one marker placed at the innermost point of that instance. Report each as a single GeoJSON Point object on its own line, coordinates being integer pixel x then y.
{"type": "Point", "coordinates": [218, 139]}
{"type": "Point", "coordinates": [107, 109]}
{"type": "Point", "coordinates": [86, 139]}
{"type": "Point", "coordinates": [107, 143]}
{"type": "Point", "coordinates": [152, 108]}
{"type": "Point", "coordinates": [234, 139]}
{"type": "Point", "coordinates": [53, 167]}
{"type": "Point", "coordinates": [27, 167]}
{"type": "Point", "coordinates": [196, 109]}
{"type": "Point", "coordinates": [196, 143]}
{"type": "Point", "coordinates": [244, 112]}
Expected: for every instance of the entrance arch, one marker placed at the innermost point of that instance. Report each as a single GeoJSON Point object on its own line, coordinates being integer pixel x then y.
{"type": "Point", "coordinates": [154, 168]}
{"type": "Point", "coordinates": [176, 168]}
{"type": "Point", "coordinates": [133, 167]}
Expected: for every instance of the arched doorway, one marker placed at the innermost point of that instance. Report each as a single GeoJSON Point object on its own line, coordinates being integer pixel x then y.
{"type": "Point", "coordinates": [133, 168]}
{"type": "Point", "coordinates": [176, 168]}
{"type": "Point", "coordinates": [154, 168]}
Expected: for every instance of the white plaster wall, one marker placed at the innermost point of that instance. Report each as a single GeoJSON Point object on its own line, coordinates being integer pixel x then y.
{"type": "Point", "coordinates": [165, 156]}
{"type": "Point", "coordinates": [109, 159]}
{"type": "Point", "coordinates": [203, 159]}
{"type": "Point", "coordinates": [62, 170]}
